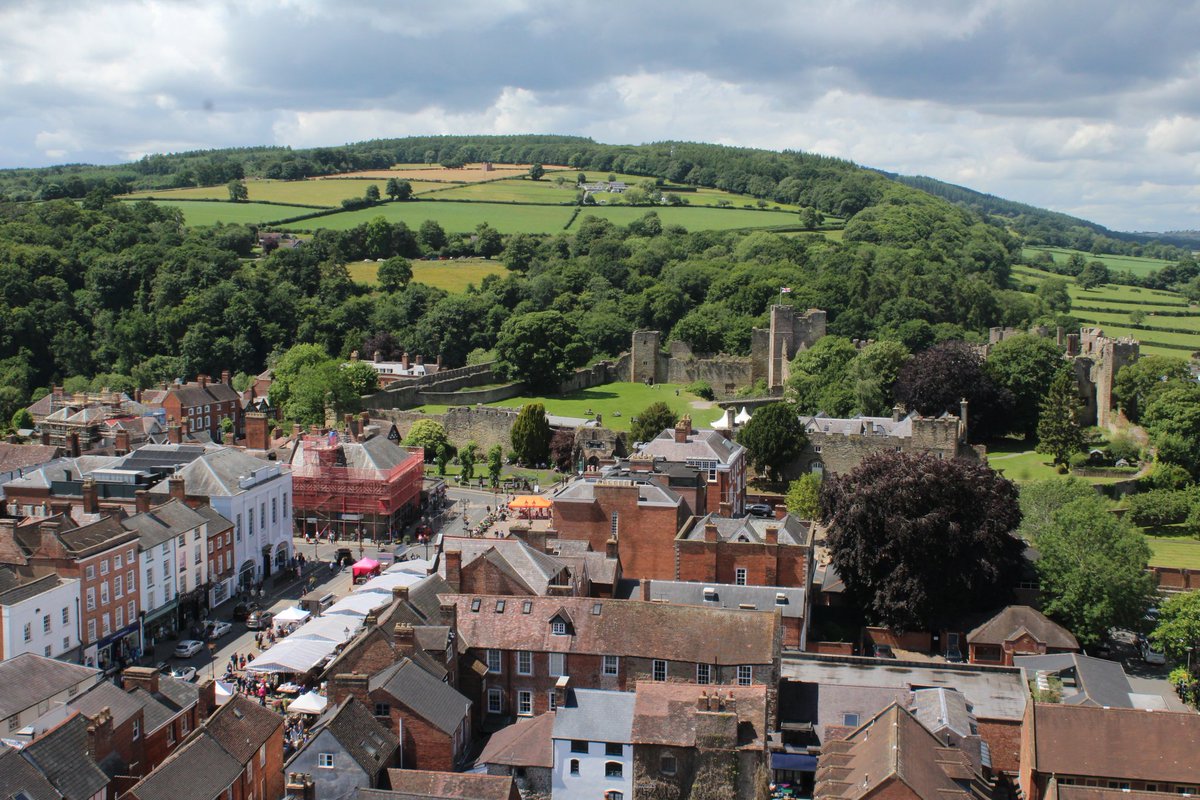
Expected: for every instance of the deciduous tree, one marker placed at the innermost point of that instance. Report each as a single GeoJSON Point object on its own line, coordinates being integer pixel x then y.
{"type": "Point", "coordinates": [540, 348]}
{"type": "Point", "coordinates": [773, 438]}
{"type": "Point", "coordinates": [429, 434]}
{"type": "Point", "coordinates": [804, 496]}
{"type": "Point", "coordinates": [654, 419]}
{"type": "Point", "coordinates": [934, 381]}
{"type": "Point", "coordinates": [536, 171]}
{"type": "Point", "coordinates": [1025, 365]}
{"type": "Point", "coordinates": [1177, 632]}
{"type": "Point", "coordinates": [466, 458]}
{"type": "Point", "coordinates": [237, 191]}
{"type": "Point", "coordinates": [919, 540]}
{"type": "Point", "coordinates": [495, 459]}
{"type": "Point", "coordinates": [1137, 384]}
{"type": "Point", "coordinates": [394, 273]}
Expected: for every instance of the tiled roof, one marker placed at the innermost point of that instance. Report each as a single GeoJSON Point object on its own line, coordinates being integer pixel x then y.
{"type": "Point", "coordinates": [242, 726]}
{"type": "Point", "coordinates": [530, 567]}
{"type": "Point", "coordinates": [18, 774]}
{"type": "Point", "coordinates": [895, 746]}
{"type": "Point", "coordinates": [1099, 742]}
{"type": "Point", "coordinates": [27, 679]}
{"type": "Point", "coordinates": [943, 709]}
{"type": "Point", "coordinates": [791, 530]}
{"type": "Point", "coordinates": [1012, 620]}
{"type": "Point", "coordinates": [704, 445]}
{"type": "Point", "coordinates": [630, 628]}
{"type": "Point", "coordinates": [97, 536]}
{"type": "Point", "coordinates": [760, 598]}
{"type": "Point", "coordinates": [62, 469]}
{"type": "Point", "coordinates": [668, 714]}
{"type": "Point", "coordinates": [199, 770]}
{"type": "Point", "coordinates": [163, 523]}
{"type": "Point", "coordinates": [172, 699]}
{"type": "Point", "coordinates": [28, 589]}
{"type": "Point", "coordinates": [193, 394]}
{"type": "Point", "coordinates": [526, 743]}
{"type": "Point", "coordinates": [595, 714]}
{"type": "Point", "coordinates": [120, 703]}
{"type": "Point", "coordinates": [436, 702]}
{"type": "Point", "coordinates": [368, 742]}
{"type": "Point", "coordinates": [62, 756]}
{"type": "Point", "coordinates": [17, 456]}
{"type": "Point", "coordinates": [442, 786]}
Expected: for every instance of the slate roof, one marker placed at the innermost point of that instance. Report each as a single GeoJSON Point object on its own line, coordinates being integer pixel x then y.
{"type": "Point", "coordinates": [369, 743]}
{"type": "Point", "coordinates": [27, 679]}
{"type": "Point", "coordinates": [62, 469]}
{"type": "Point", "coordinates": [825, 706]}
{"type": "Point", "coordinates": [1086, 680]}
{"type": "Point", "coordinates": [216, 522]}
{"type": "Point", "coordinates": [17, 774]}
{"type": "Point", "coordinates": [1089, 741]}
{"type": "Point", "coordinates": [526, 743]}
{"type": "Point", "coordinates": [377, 453]}
{"type": "Point", "coordinates": [193, 394]}
{"type": "Point", "coordinates": [17, 456]}
{"type": "Point", "coordinates": [649, 494]}
{"type": "Point", "coordinates": [727, 595]}
{"type": "Point", "coordinates": [432, 637]}
{"type": "Point", "coordinates": [667, 714]}
{"type": "Point", "coordinates": [858, 425]}
{"type": "Point", "coordinates": [895, 746]}
{"type": "Point", "coordinates": [199, 770]}
{"type": "Point", "coordinates": [943, 709]}
{"type": "Point", "coordinates": [216, 473]}
{"type": "Point", "coordinates": [1009, 623]}
{"type": "Point", "coordinates": [436, 702]}
{"type": "Point", "coordinates": [424, 596]}
{"type": "Point", "coordinates": [120, 703]}
{"type": "Point", "coordinates": [29, 588]}
{"type": "Point", "coordinates": [96, 537]}
{"type": "Point", "coordinates": [441, 786]}
{"type": "Point", "coordinates": [792, 530]}
{"type": "Point", "coordinates": [168, 703]}
{"type": "Point", "coordinates": [701, 444]}
{"type": "Point", "coordinates": [163, 523]}
{"type": "Point", "coordinates": [595, 715]}
{"type": "Point", "coordinates": [242, 726]}
{"type": "Point", "coordinates": [531, 568]}
{"type": "Point", "coordinates": [629, 628]}
{"type": "Point", "coordinates": [62, 756]}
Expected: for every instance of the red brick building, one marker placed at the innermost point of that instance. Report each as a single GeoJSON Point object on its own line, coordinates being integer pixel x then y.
{"type": "Point", "coordinates": [103, 556]}
{"type": "Point", "coordinates": [431, 718]}
{"type": "Point", "coordinates": [517, 650]}
{"type": "Point", "coordinates": [220, 553]}
{"type": "Point", "coordinates": [1018, 631]}
{"type": "Point", "coordinates": [744, 552]}
{"type": "Point", "coordinates": [199, 406]}
{"type": "Point", "coordinates": [502, 566]}
{"type": "Point", "coordinates": [713, 453]}
{"type": "Point", "coordinates": [643, 517]}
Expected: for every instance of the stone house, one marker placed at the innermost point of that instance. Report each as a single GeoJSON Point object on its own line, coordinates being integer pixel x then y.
{"type": "Point", "coordinates": [838, 445]}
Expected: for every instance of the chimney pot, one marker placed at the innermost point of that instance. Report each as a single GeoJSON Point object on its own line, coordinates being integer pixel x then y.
{"type": "Point", "coordinates": [202, 380]}
{"type": "Point", "coordinates": [226, 378]}
{"type": "Point", "coordinates": [141, 500]}
{"type": "Point", "coordinates": [175, 485]}
{"type": "Point", "coordinates": [378, 356]}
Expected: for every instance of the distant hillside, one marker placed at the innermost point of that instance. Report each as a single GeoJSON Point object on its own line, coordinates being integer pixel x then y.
{"type": "Point", "coordinates": [1040, 226]}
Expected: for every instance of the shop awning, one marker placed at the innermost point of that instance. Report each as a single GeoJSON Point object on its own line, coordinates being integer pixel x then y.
{"type": "Point", "coordinates": [530, 501]}
{"type": "Point", "coordinates": [794, 762]}
{"type": "Point", "coordinates": [359, 604]}
{"type": "Point", "coordinates": [293, 656]}
{"type": "Point", "coordinates": [311, 703]}
{"type": "Point", "coordinates": [290, 615]}
{"type": "Point", "coordinates": [330, 629]}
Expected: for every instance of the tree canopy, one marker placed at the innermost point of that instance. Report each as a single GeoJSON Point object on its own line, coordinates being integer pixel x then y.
{"type": "Point", "coordinates": [773, 439]}
{"type": "Point", "coordinates": [1024, 365]}
{"type": "Point", "coordinates": [1177, 632]}
{"type": "Point", "coordinates": [1137, 384]}
{"type": "Point", "coordinates": [540, 348]}
{"type": "Point", "coordinates": [654, 419]}
{"type": "Point", "coordinates": [531, 435]}
{"type": "Point", "coordinates": [804, 496]}
{"type": "Point", "coordinates": [1058, 431]}
{"type": "Point", "coordinates": [429, 434]}
{"type": "Point", "coordinates": [934, 381]}
{"type": "Point", "coordinates": [919, 540]}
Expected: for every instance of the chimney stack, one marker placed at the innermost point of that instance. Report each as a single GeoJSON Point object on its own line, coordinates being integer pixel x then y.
{"type": "Point", "coordinates": [683, 429]}
{"type": "Point", "coordinates": [257, 431]}
{"type": "Point", "coordinates": [772, 535]}
{"type": "Point", "coordinates": [402, 633]}
{"type": "Point", "coordinates": [963, 419]}
{"type": "Point", "coordinates": [46, 436]}
{"type": "Point", "coordinates": [420, 359]}
{"type": "Point", "coordinates": [710, 532]}
{"type": "Point", "coordinates": [141, 501]}
{"type": "Point", "coordinates": [175, 484]}
{"type": "Point", "coordinates": [610, 548]}
{"type": "Point", "coordinates": [400, 593]}
{"type": "Point", "coordinates": [121, 442]}
{"type": "Point", "coordinates": [404, 361]}
{"type": "Point", "coordinates": [897, 412]}
{"type": "Point", "coordinates": [202, 380]}
{"type": "Point", "coordinates": [378, 356]}
{"type": "Point", "coordinates": [300, 786]}
{"type": "Point", "coordinates": [144, 677]}
{"type": "Point", "coordinates": [453, 567]}
{"type": "Point", "coordinates": [91, 497]}
{"type": "Point", "coordinates": [226, 378]}
{"type": "Point", "coordinates": [73, 445]}
{"type": "Point", "coordinates": [174, 433]}
{"type": "Point", "coordinates": [351, 427]}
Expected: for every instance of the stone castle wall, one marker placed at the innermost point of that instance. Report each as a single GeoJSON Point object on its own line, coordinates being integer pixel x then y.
{"type": "Point", "coordinates": [839, 453]}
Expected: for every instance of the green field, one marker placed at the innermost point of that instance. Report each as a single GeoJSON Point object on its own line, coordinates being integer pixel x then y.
{"type": "Point", "coordinates": [451, 276]}
{"type": "Point", "coordinates": [694, 218]}
{"type": "Point", "coordinates": [513, 190]}
{"type": "Point", "coordinates": [1135, 264]}
{"type": "Point", "coordinates": [1172, 547]}
{"type": "Point", "coordinates": [454, 217]}
{"type": "Point", "coordinates": [1018, 462]}
{"type": "Point", "coordinates": [629, 399]}
{"type": "Point", "coordinates": [1109, 306]}
{"type": "Point", "coordinates": [200, 213]}
{"type": "Point", "coordinates": [323, 192]}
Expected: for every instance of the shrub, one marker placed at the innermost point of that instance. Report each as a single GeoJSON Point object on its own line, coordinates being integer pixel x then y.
{"type": "Point", "coordinates": [1078, 460]}
{"type": "Point", "coordinates": [701, 389]}
{"type": "Point", "coordinates": [1124, 447]}
{"type": "Point", "coordinates": [1166, 476]}
{"type": "Point", "coordinates": [1192, 523]}
{"type": "Point", "coordinates": [1159, 507]}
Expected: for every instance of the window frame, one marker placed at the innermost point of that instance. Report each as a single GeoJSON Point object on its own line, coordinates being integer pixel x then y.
{"type": "Point", "coordinates": [704, 674]}
{"type": "Point", "coordinates": [655, 666]}
{"type": "Point", "coordinates": [324, 760]}
{"type": "Point", "coordinates": [614, 769]}
{"type": "Point", "coordinates": [498, 657]}
{"type": "Point", "coordinates": [524, 703]}
{"type": "Point", "coordinates": [745, 675]}
{"type": "Point", "coordinates": [496, 695]}
{"type": "Point", "coordinates": [615, 662]}
{"type": "Point", "coordinates": [740, 575]}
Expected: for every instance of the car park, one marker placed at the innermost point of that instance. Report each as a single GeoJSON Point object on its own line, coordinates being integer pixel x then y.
{"type": "Point", "coordinates": [188, 648]}
{"type": "Point", "coordinates": [184, 673]}
{"type": "Point", "coordinates": [259, 620]}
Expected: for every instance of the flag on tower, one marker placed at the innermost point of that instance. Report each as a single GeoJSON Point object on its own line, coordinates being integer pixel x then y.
{"type": "Point", "coordinates": [786, 290]}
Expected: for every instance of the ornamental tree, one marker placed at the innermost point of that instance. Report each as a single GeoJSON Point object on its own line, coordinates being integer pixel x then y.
{"type": "Point", "coordinates": [934, 381]}
{"type": "Point", "coordinates": [918, 539]}
{"type": "Point", "coordinates": [773, 438]}
{"type": "Point", "coordinates": [654, 419]}
{"type": "Point", "coordinates": [531, 435]}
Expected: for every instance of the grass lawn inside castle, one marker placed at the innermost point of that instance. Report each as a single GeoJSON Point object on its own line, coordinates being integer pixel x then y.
{"type": "Point", "coordinates": [627, 399]}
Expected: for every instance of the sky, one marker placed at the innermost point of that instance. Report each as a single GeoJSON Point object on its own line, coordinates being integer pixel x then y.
{"type": "Point", "coordinates": [1089, 108]}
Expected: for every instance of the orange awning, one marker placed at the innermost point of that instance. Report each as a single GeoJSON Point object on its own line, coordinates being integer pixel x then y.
{"type": "Point", "coordinates": [530, 501]}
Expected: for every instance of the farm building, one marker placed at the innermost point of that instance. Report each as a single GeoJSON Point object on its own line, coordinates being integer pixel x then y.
{"type": "Point", "coordinates": [354, 485]}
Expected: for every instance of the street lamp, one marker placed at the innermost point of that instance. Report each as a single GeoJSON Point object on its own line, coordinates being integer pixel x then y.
{"type": "Point", "coordinates": [212, 659]}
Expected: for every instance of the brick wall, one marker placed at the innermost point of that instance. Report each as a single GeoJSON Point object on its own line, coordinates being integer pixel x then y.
{"type": "Point", "coordinates": [718, 562]}
{"type": "Point", "coordinates": [645, 534]}
{"type": "Point", "coordinates": [483, 577]}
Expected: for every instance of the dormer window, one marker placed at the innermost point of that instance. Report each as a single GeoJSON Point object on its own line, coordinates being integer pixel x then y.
{"type": "Point", "coordinates": [558, 627]}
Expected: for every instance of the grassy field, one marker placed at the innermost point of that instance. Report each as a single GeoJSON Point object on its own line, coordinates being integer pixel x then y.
{"type": "Point", "coordinates": [454, 217]}
{"type": "Point", "coordinates": [1020, 463]}
{"type": "Point", "coordinates": [1134, 264]}
{"type": "Point", "coordinates": [434, 172]}
{"type": "Point", "coordinates": [324, 192]}
{"type": "Point", "coordinates": [1109, 306]}
{"type": "Point", "coordinates": [1171, 546]}
{"type": "Point", "coordinates": [694, 218]}
{"type": "Point", "coordinates": [628, 399]}
{"type": "Point", "coordinates": [210, 213]}
{"type": "Point", "coordinates": [518, 190]}
{"type": "Point", "coordinates": [451, 276]}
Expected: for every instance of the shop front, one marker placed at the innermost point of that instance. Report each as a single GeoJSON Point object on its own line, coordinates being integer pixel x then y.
{"type": "Point", "coordinates": [116, 650]}
{"type": "Point", "coordinates": [159, 624]}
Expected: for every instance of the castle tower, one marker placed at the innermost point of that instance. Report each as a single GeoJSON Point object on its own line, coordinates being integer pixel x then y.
{"type": "Point", "coordinates": [644, 356]}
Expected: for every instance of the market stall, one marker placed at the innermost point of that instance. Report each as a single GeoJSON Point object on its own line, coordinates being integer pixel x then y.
{"type": "Point", "coordinates": [365, 569]}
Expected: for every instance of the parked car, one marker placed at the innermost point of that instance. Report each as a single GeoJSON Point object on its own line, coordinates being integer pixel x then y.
{"type": "Point", "coordinates": [259, 620]}
{"type": "Point", "coordinates": [1150, 655]}
{"type": "Point", "coordinates": [884, 651]}
{"type": "Point", "coordinates": [344, 556]}
{"type": "Point", "coordinates": [188, 648]}
{"type": "Point", "coordinates": [164, 667]}
{"type": "Point", "coordinates": [243, 610]}
{"type": "Point", "coordinates": [184, 673]}
{"type": "Point", "coordinates": [760, 510]}
{"type": "Point", "coordinates": [217, 628]}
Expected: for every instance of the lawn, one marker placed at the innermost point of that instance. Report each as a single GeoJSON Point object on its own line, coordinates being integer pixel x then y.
{"type": "Point", "coordinates": [200, 213]}
{"type": "Point", "coordinates": [629, 399]}
{"type": "Point", "coordinates": [694, 218]}
{"type": "Point", "coordinates": [1019, 463]}
{"type": "Point", "coordinates": [454, 217]}
{"type": "Point", "coordinates": [323, 192]}
{"type": "Point", "coordinates": [451, 276]}
{"type": "Point", "coordinates": [1173, 549]}
{"type": "Point", "coordinates": [1135, 264]}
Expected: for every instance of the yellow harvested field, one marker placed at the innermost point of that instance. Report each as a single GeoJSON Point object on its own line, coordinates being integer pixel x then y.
{"type": "Point", "coordinates": [324, 192]}
{"type": "Point", "coordinates": [471, 173]}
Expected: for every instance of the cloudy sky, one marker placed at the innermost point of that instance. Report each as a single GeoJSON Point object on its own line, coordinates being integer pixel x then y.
{"type": "Point", "coordinates": [1091, 108]}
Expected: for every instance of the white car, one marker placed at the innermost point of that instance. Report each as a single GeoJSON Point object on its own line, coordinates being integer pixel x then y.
{"type": "Point", "coordinates": [184, 673]}
{"type": "Point", "coordinates": [219, 629]}
{"type": "Point", "coordinates": [1152, 656]}
{"type": "Point", "coordinates": [188, 648]}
